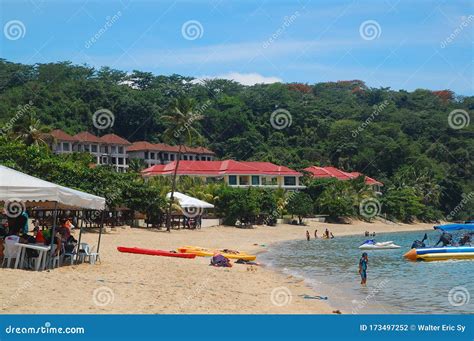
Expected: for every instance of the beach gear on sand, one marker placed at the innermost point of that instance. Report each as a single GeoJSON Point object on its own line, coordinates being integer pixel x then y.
{"type": "Point", "coordinates": [373, 245]}
{"type": "Point", "coordinates": [154, 252]}
{"type": "Point", "coordinates": [204, 252]}
{"type": "Point", "coordinates": [441, 253]}
{"type": "Point", "coordinates": [220, 261]}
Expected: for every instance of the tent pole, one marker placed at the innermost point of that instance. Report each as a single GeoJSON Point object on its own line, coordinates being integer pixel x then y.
{"type": "Point", "coordinates": [100, 230]}
{"type": "Point", "coordinates": [80, 236]}
{"type": "Point", "coordinates": [53, 238]}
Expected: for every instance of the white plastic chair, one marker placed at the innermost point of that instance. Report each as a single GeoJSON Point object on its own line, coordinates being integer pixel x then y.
{"type": "Point", "coordinates": [83, 252]}
{"type": "Point", "coordinates": [93, 256]}
{"type": "Point", "coordinates": [11, 250]}
{"type": "Point", "coordinates": [71, 254]}
{"type": "Point", "coordinates": [55, 260]}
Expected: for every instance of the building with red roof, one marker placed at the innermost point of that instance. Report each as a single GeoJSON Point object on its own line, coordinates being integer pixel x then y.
{"type": "Point", "coordinates": [234, 173]}
{"type": "Point", "coordinates": [111, 149]}
{"type": "Point", "coordinates": [161, 153]}
{"type": "Point", "coordinates": [333, 172]}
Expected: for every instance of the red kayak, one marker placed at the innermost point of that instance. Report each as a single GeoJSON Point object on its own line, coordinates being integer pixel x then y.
{"type": "Point", "coordinates": [154, 252]}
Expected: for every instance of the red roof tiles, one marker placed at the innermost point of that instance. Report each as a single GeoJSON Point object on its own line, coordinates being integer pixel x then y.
{"type": "Point", "coordinates": [114, 139]}
{"type": "Point", "coordinates": [144, 145]}
{"type": "Point", "coordinates": [85, 136]}
{"type": "Point", "coordinates": [219, 168]}
{"type": "Point", "coordinates": [60, 135]}
{"type": "Point", "coordinates": [332, 172]}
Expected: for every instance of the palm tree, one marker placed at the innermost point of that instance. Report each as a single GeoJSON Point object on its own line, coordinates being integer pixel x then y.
{"type": "Point", "coordinates": [33, 132]}
{"type": "Point", "coordinates": [180, 130]}
{"type": "Point", "coordinates": [136, 165]}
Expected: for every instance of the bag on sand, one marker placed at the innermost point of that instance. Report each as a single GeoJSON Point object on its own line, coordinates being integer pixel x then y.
{"type": "Point", "coordinates": [221, 261]}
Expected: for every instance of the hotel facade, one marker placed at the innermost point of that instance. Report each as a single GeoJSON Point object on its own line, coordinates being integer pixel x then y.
{"type": "Point", "coordinates": [233, 173]}
{"type": "Point", "coordinates": [117, 152]}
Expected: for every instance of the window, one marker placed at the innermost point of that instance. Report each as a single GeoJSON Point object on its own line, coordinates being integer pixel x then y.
{"type": "Point", "coordinates": [120, 161]}
{"type": "Point", "coordinates": [152, 156]}
{"type": "Point", "coordinates": [66, 146]}
{"type": "Point", "coordinates": [113, 149]}
{"type": "Point", "coordinates": [94, 148]}
{"type": "Point", "coordinates": [146, 155]}
{"type": "Point", "coordinates": [209, 158]}
{"type": "Point", "coordinates": [243, 180]}
{"type": "Point", "coordinates": [172, 157]}
{"type": "Point", "coordinates": [104, 160]}
{"type": "Point", "coordinates": [185, 157]}
{"type": "Point", "coordinates": [120, 150]}
{"type": "Point", "coordinates": [86, 148]}
{"type": "Point", "coordinates": [269, 181]}
{"type": "Point", "coordinates": [232, 179]}
{"type": "Point", "coordinates": [290, 180]}
{"type": "Point", "coordinates": [114, 160]}
{"type": "Point", "coordinates": [165, 155]}
{"type": "Point", "coordinates": [106, 149]}
{"type": "Point", "coordinates": [255, 180]}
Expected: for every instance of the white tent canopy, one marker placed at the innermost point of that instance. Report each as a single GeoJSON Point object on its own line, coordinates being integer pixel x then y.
{"type": "Point", "coordinates": [17, 186]}
{"type": "Point", "coordinates": [185, 201]}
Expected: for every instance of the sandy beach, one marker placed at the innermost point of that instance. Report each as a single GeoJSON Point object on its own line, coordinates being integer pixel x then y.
{"type": "Point", "coordinates": [139, 284]}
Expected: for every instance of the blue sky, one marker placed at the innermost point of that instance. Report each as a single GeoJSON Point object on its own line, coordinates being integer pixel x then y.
{"type": "Point", "coordinates": [406, 44]}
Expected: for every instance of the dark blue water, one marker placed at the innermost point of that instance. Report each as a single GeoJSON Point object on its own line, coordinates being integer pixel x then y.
{"type": "Point", "coordinates": [394, 284]}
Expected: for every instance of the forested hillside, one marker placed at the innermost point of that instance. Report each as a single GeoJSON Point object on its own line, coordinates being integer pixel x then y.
{"type": "Point", "coordinates": [404, 139]}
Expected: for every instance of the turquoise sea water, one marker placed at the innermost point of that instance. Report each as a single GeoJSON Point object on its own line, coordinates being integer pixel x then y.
{"type": "Point", "coordinates": [394, 284]}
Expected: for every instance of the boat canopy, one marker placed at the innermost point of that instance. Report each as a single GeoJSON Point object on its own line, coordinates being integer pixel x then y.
{"type": "Point", "coordinates": [454, 227]}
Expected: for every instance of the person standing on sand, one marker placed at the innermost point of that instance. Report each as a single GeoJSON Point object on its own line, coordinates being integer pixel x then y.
{"type": "Point", "coordinates": [315, 234]}
{"type": "Point", "coordinates": [307, 236]}
{"type": "Point", "coordinates": [364, 260]}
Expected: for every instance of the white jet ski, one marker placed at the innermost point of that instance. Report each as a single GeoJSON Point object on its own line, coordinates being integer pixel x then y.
{"type": "Point", "coordinates": [373, 245]}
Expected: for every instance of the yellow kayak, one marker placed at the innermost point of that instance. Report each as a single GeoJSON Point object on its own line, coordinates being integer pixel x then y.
{"type": "Point", "coordinates": [204, 252]}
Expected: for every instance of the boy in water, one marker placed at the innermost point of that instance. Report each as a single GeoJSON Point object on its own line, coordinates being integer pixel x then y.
{"type": "Point", "coordinates": [364, 260]}
{"type": "Point", "coordinates": [307, 235]}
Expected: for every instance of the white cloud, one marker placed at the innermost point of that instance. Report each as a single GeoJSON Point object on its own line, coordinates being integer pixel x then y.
{"type": "Point", "coordinates": [245, 78]}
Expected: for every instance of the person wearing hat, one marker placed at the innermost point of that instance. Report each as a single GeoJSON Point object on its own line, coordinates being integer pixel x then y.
{"type": "Point", "coordinates": [364, 260]}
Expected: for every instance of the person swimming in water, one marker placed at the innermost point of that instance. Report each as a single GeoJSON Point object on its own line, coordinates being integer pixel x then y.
{"type": "Point", "coordinates": [307, 236]}
{"type": "Point", "coordinates": [326, 234]}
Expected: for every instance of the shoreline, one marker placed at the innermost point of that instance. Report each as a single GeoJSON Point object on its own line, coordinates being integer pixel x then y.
{"type": "Point", "coordinates": [140, 284]}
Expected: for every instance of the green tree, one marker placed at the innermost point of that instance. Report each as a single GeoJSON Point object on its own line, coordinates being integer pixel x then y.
{"type": "Point", "coordinates": [301, 205]}
{"type": "Point", "coordinates": [180, 130]}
